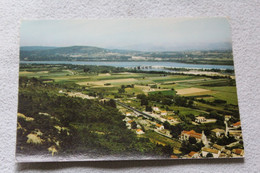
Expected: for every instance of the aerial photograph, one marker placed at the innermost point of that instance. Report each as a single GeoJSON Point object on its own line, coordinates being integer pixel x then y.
{"type": "Point", "coordinates": [127, 89]}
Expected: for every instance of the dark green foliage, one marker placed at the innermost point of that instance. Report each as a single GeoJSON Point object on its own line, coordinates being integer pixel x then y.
{"type": "Point", "coordinates": [209, 155]}
{"type": "Point", "coordinates": [144, 102]}
{"type": "Point", "coordinates": [148, 108]}
{"type": "Point", "coordinates": [187, 147]}
{"type": "Point", "coordinates": [89, 126]}
{"type": "Point", "coordinates": [192, 140]}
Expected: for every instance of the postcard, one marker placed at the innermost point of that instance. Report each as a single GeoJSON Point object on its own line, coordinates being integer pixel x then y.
{"type": "Point", "coordinates": [127, 89]}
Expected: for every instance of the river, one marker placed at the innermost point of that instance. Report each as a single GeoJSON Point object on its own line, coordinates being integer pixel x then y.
{"type": "Point", "coordinates": [131, 64]}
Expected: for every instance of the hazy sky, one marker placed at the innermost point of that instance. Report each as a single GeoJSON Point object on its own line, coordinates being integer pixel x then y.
{"type": "Point", "coordinates": [139, 34]}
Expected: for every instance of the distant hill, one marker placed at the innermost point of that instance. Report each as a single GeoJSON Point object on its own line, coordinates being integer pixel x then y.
{"type": "Point", "coordinates": [35, 48]}
{"type": "Point", "coordinates": [73, 53]}
{"type": "Point", "coordinates": [91, 53]}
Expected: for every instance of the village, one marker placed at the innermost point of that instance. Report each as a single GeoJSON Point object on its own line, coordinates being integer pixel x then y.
{"type": "Point", "coordinates": [141, 121]}
{"type": "Point", "coordinates": [140, 124]}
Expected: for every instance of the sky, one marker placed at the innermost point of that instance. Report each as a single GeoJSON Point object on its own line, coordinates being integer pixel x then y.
{"type": "Point", "coordinates": [135, 34]}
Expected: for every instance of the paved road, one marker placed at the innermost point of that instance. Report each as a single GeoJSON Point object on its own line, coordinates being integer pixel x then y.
{"type": "Point", "coordinates": [140, 112]}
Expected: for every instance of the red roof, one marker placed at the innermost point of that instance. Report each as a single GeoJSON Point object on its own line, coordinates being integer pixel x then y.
{"type": "Point", "coordinates": [174, 157]}
{"type": "Point", "coordinates": [158, 125]}
{"type": "Point", "coordinates": [238, 151]}
{"type": "Point", "coordinates": [192, 133]}
{"type": "Point", "coordinates": [237, 124]}
{"type": "Point", "coordinates": [192, 153]}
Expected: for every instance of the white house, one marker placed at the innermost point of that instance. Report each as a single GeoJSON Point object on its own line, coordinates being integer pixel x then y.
{"type": "Point", "coordinates": [128, 113]}
{"type": "Point", "coordinates": [139, 131]}
{"type": "Point", "coordinates": [218, 132]}
{"type": "Point", "coordinates": [163, 113]}
{"type": "Point", "coordinates": [193, 154]}
{"type": "Point", "coordinates": [227, 117]}
{"type": "Point", "coordinates": [159, 126]}
{"type": "Point", "coordinates": [200, 119]}
{"type": "Point", "coordinates": [185, 135]}
{"type": "Point", "coordinates": [156, 109]}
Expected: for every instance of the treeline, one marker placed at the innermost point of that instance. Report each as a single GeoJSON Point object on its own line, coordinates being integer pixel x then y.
{"type": "Point", "coordinates": [166, 100]}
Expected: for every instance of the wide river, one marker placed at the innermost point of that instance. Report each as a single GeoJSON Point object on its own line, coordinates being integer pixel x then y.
{"type": "Point", "coordinates": [129, 64]}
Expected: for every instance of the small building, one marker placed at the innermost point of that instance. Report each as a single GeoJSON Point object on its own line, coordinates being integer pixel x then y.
{"type": "Point", "coordinates": [163, 113]}
{"type": "Point", "coordinates": [128, 124]}
{"type": "Point", "coordinates": [215, 153]}
{"type": "Point", "coordinates": [237, 152]}
{"type": "Point", "coordinates": [227, 152]}
{"type": "Point", "coordinates": [228, 117]}
{"type": "Point", "coordinates": [236, 125]}
{"type": "Point", "coordinates": [159, 126]}
{"type": "Point", "coordinates": [185, 135]}
{"type": "Point", "coordinates": [128, 113]}
{"type": "Point", "coordinates": [156, 109]}
{"type": "Point", "coordinates": [219, 147]}
{"type": "Point", "coordinates": [237, 134]}
{"type": "Point", "coordinates": [200, 119]}
{"type": "Point", "coordinates": [193, 154]}
{"type": "Point", "coordinates": [218, 132]}
{"type": "Point", "coordinates": [174, 157]}
{"type": "Point", "coordinates": [139, 131]}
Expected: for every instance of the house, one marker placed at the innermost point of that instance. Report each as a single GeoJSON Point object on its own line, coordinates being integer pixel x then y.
{"type": "Point", "coordinates": [237, 152]}
{"type": "Point", "coordinates": [139, 131]}
{"type": "Point", "coordinates": [227, 152]}
{"type": "Point", "coordinates": [227, 117]}
{"type": "Point", "coordinates": [237, 134]}
{"type": "Point", "coordinates": [193, 154]}
{"type": "Point", "coordinates": [126, 119]}
{"type": "Point", "coordinates": [218, 132]}
{"type": "Point", "coordinates": [200, 119]}
{"type": "Point", "coordinates": [128, 113]}
{"type": "Point", "coordinates": [205, 151]}
{"type": "Point", "coordinates": [236, 125]}
{"type": "Point", "coordinates": [171, 119]}
{"type": "Point", "coordinates": [223, 155]}
{"type": "Point", "coordinates": [185, 135]}
{"type": "Point", "coordinates": [219, 147]}
{"type": "Point", "coordinates": [159, 126]}
{"type": "Point", "coordinates": [174, 157]}
{"type": "Point", "coordinates": [210, 120]}
{"type": "Point", "coordinates": [130, 121]}
{"type": "Point", "coordinates": [128, 124]}
{"type": "Point", "coordinates": [163, 113]}
{"type": "Point", "coordinates": [156, 109]}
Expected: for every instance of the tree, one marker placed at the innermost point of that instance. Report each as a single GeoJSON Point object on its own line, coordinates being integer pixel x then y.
{"type": "Point", "coordinates": [166, 101]}
{"type": "Point", "coordinates": [112, 103]}
{"type": "Point", "coordinates": [166, 125]}
{"type": "Point", "coordinates": [192, 140]}
{"type": "Point", "coordinates": [148, 108]}
{"type": "Point", "coordinates": [144, 102]}
{"type": "Point", "coordinates": [133, 125]}
{"type": "Point", "coordinates": [141, 96]}
{"type": "Point", "coordinates": [121, 90]}
{"type": "Point", "coordinates": [209, 155]}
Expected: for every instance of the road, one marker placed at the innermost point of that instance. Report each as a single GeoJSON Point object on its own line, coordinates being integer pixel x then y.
{"type": "Point", "coordinates": [140, 112]}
